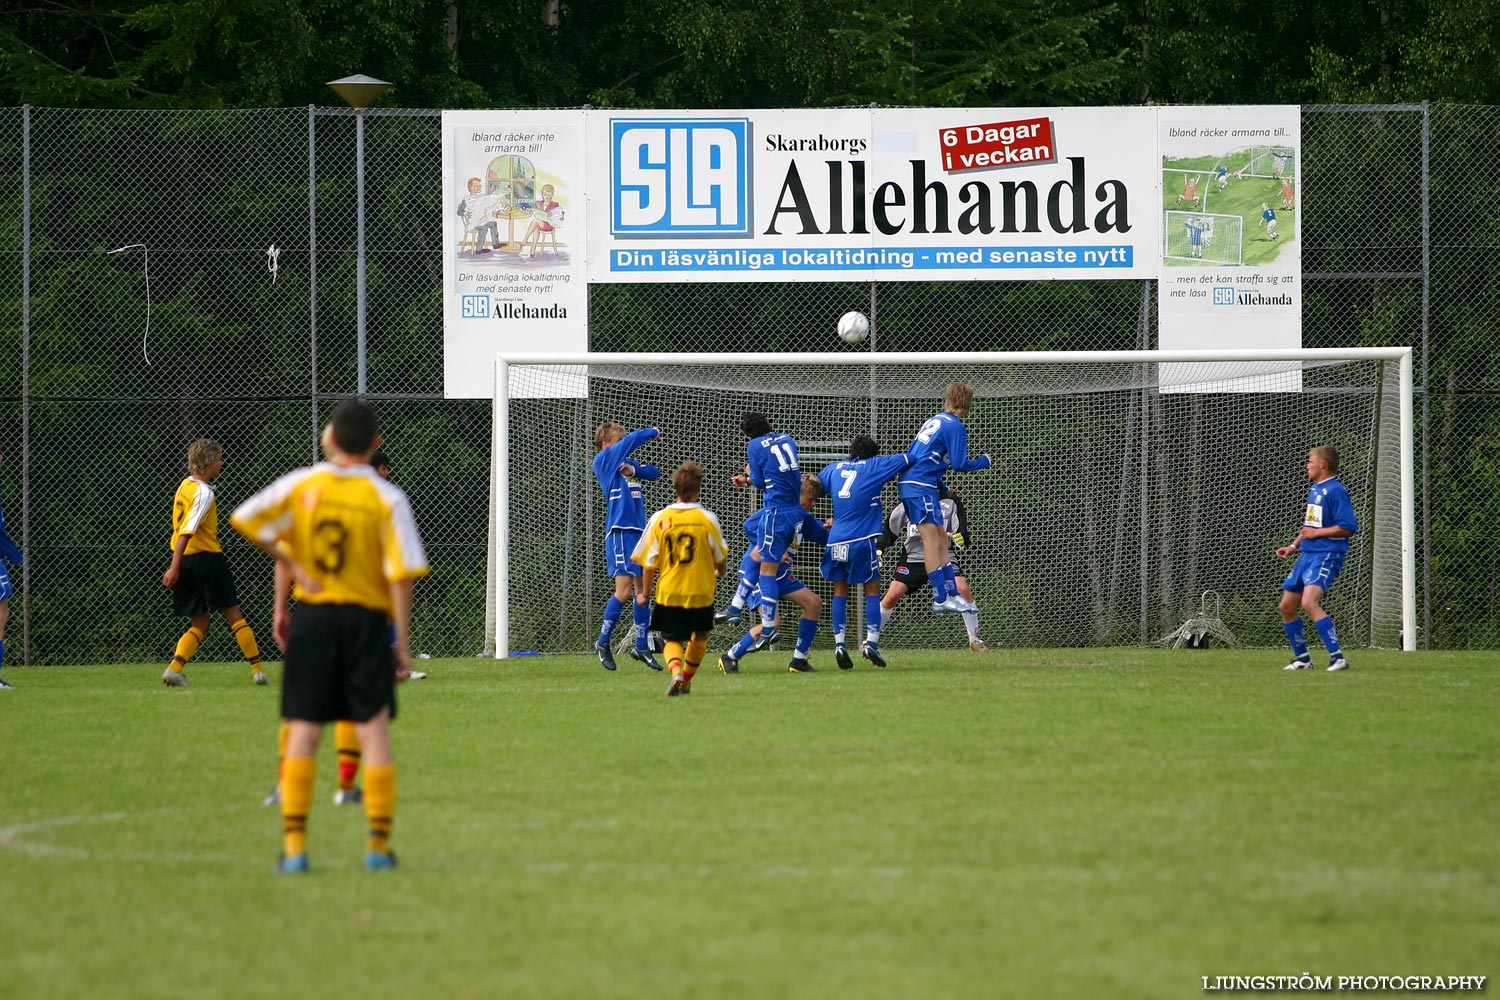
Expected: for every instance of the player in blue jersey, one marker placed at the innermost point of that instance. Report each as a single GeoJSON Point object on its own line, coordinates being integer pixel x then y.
{"type": "Point", "coordinates": [1222, 175]}
{"type": "Point", "coordinates": [911, 571]}
{"type": "Point", "coordinates": [1322, 544]}
{"type": "Point", "coordinates": [789, 588]}
{"type": "Point", "coordinates": [9, 551]}
{"type": "Point", "coordinates": [852, 554]}
{"type": "Point", "coordinates": [1268, 219]}
{"type": "Point", "coordinates": [624, 520]}
{"type": "Point", "coordinates": [941, 444]}
{"type": "Point", "coordinates": [771, 466]}
{"type": "Point", "coordinates": [1195, 236]}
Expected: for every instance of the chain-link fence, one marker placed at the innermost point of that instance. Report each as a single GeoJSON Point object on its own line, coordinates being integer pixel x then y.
{"type": "Point", "coordinates": [99, 395]}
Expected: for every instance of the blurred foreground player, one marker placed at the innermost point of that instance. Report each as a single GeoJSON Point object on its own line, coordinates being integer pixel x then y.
{"type": "Point", "coordinates": [350, 542]}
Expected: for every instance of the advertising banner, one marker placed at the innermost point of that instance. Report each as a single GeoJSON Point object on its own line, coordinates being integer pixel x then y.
{"type": "Point", "coordinates": [873, 194]}
{"type": "Point", "coordinates": [514, 219]}
{"type": "Point", "coordinates": [538, 205]}
{"type": "Point", "coordinates": [1231, 233]}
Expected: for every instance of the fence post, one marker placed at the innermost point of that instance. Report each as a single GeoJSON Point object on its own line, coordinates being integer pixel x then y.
{"type": "Point", "coordinates": [362, 359]}
{"type": "Point", "coordinates": [312, 270]}
{"type": "Point", "coordinates": [1426, 395]}
{"type": "Point", "coordinates": [26, 385]}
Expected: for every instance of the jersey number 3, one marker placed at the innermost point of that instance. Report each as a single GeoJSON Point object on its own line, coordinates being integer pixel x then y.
{"type": "Point", "coordinates": [330, 541]}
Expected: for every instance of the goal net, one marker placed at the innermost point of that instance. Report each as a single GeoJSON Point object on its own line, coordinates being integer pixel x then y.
{"type": "Point", "coordinates": [1195, 236]}
{"type": "Point", "coordinates": [1122, 487]}
{"type": "Point", "coordinates": [1271, 161]}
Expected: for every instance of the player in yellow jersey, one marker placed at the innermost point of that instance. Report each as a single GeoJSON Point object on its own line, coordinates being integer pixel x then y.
{"type": "Point", "coordinates": [351, 544]}
{"type": "Point", "coordinates": [199, 575]}
{"type": "Point", "coordinates": [345, 733]}
{"type": "Point", "coordinates": [682, 552]}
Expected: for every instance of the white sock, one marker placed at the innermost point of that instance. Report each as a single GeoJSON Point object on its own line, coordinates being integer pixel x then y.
{"type": "Point", "coordinates": [971, 622]}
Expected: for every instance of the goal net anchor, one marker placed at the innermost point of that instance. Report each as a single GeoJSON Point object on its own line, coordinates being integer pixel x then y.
{"type": "Point", "coordinates": [1197, 630]}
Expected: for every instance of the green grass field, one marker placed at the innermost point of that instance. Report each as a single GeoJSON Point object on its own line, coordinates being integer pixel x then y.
{"type": "Point", "coordinates": [1068, 823]}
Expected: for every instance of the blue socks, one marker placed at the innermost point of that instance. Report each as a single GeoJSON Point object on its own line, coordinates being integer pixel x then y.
{"type": "Point", "coordinates": [939, 584]}
{"type": "Point", "coordinates": [741, 645]}
{"type": "Point", "coordinates": [642, 625]}
{"type": "Point", "coordinates": [611, 619]}
{"type": "Point", "coordinates": [806, 629]}
{"type": "Point", "coordinates": [1327, 634]}
{"type": "Point", "coordinates": [872, 617]}
{"type": "Point", "coordinates": [1297, 636]}
{"type": "Point", "coordinates": [838, 615]}
{"type": "Point", "coordinates": [770, 595]}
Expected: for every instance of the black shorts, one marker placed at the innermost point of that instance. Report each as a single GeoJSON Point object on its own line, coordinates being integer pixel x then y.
{"type": "Point", "coordinates": [914, 574]}
{"type": "Point", "coordinates": [679, 624]}
{"type": "Point", "coordinates": [339, 664]}
{"type": "Point", "coordinates": [204, 584]}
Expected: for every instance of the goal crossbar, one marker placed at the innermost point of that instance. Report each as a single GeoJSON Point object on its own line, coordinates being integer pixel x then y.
{"type": "Point", "coordinates": [497, 613]}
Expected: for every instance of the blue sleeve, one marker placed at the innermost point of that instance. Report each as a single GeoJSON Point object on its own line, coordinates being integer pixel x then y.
{"type": "Point", "coordinates": [958, 449]}
{"type": "Point", "coordinates": [1343, 515]}
{"type": "Point", "coordinates": [630, 442]}
{"type": "Point", "coordinates": [647, 472]}
{"type": "Point", "coordinates": [8, 548]}
{"type": "Point", "coordinates": [753, 458]}
{"type": "Point", "coordinates": [825, 476]}
{"type": "Point", "coordinates": [813, 530]}
{"type": "Point", "coordinates": [893, 465]}
{"type": "Point", "coordinates": [607, 462]}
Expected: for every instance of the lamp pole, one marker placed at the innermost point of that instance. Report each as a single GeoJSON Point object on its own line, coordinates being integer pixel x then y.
{"type": "Point", "coordinates": [360, 92]}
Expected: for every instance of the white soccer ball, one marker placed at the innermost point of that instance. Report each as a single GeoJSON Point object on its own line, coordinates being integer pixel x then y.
{"type": "Point", "coordinates": [854, 327]}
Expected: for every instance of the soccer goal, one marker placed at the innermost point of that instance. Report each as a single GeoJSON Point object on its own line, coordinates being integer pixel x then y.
{"type": "Point", "coordinates": [1124, 485]}
{"type": "Point", "coordinates": [1271, 161]}
{"type": "Point", "coordinates": [1201, 236]}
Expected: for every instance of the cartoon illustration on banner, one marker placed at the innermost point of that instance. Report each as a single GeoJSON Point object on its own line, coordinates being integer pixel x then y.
{"type": "Point", "coordinates": [514, 269]}
{"type": "Point", "coordinates": [1230, 233]}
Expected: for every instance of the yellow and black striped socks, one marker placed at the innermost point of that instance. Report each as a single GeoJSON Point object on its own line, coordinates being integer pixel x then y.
{"type": "Point", "coordinates": [672, 650]}
{"type": "Point", "coordinates": [380, 804]}
{"type": "Point", "coordinates": [297, 775]}
{"type": "Point", "coordinates": [245, 636]}
{"type": "Point", "coordinates": [186, 647]}
{"type": "Point", "coordinates": [697, 649]}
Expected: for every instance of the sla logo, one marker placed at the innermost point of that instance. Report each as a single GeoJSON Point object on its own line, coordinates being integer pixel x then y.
{"type": "Point", "coordinates": [476, 307]}
{"type": "Point", "coordinates": [679, 176]}
{"type": "Point", "coordinates": [1223, 295]}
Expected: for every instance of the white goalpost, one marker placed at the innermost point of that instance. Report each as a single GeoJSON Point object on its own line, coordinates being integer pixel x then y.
{"type": "Point", "coordinates": [1125, 483]}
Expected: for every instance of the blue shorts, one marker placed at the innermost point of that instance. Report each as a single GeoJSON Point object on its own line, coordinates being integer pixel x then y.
{"type": "Point", "coordinates": [774, 532]}
{"type": "Point", "coordinates": [786, 583]}
{"type": "Point", "coordinates": [851, 562]}
{"type": "Point", "coordinates": [618, 545]}
{"type": "Point", "coordinates": [922, 506]}
{"type": "Point", "coordinates": [1314, 569]}
{"type": "Point", "coordinates": [7, 591]}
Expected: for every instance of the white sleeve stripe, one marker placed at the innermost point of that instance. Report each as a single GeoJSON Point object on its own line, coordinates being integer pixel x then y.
{"type": "Point", "coordinates": [716, 539]}
{"type": "Point", "coordinates": [273, 530]}
{"type": "Point", "coordinates": [647, 548]}
{"type": "Point", "coordinates": [202, 500]}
